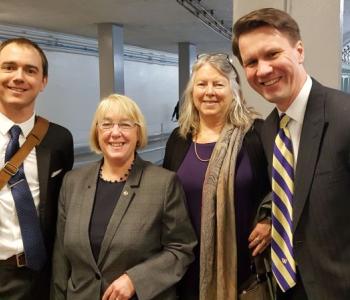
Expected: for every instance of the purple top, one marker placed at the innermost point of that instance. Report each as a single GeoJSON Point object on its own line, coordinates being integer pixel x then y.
{"type": "Point", "coordinates": [191, 174]}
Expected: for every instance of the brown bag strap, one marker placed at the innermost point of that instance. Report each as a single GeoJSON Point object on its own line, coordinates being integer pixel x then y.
{"type": "Point", "coordinates": [33, 139]}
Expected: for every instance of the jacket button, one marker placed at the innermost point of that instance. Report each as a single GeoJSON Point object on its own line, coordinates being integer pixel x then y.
{"type": "Point", "coordinates": [98, 276]}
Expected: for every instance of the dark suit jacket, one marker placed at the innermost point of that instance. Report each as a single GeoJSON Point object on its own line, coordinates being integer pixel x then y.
{"type": "Point", "coordinates": [54, 158]}
{"type": "Point", "coordinates": [149, 236]}
{"type": "Point", "coordinates": [321, 204]}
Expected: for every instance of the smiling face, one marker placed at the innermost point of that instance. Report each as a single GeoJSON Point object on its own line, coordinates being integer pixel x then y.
{"type": "Point", "coordinates": [273, 66]}
{"type": "Point", "coordinates": [212, 93]}
{"type": "Point", "coordinates": [117, 145]}
{"type": "Point", "coordinates": [21, 80]}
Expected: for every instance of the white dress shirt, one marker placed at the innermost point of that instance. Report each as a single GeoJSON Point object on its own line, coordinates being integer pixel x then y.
{"type": "Point", "coordinates": [296, 113]}
{"type": "Point", "coordinates": [10, 233]}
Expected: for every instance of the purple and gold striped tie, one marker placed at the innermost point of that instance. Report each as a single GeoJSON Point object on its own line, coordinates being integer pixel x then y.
{"type": "Point", "coordinates": [283, 263]}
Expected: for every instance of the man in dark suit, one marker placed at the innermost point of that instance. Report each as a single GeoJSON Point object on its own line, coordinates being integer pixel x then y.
{"type": "Point", "coordinates": [268, 45]}
{"type": "Point", "coordinates": [23, 74]}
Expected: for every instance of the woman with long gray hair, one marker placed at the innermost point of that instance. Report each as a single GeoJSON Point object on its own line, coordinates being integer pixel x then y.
{"type": "Point", "coordinates": [218, 157]}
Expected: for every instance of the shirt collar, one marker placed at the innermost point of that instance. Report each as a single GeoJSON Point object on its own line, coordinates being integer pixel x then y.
{"type": "Point", "coordinates": [26, 126]}
{"type": "Point", "coordinates": [296, 110]}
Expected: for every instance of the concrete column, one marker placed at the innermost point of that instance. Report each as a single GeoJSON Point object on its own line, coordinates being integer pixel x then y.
{"type": "Point", "coordinates": [320, 24]}
{"type": "Point", "coordinates": [187, 56]}
{"type": "Point", "coordinates": [111, 58]}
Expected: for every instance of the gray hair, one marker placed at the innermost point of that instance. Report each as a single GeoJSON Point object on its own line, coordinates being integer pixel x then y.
{"type": "Point", "coordinates": [238, 114]}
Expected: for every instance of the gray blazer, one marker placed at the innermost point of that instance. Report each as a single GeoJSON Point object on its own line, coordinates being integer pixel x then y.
{"type": "Point", "coordinates": [149, 236]}
{"type": "Point", "coordinates": [321, 204]}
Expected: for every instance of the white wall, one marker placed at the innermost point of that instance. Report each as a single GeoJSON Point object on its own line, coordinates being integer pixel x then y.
{"type": "Point", "coordinates": [320, 26]}
{"type": "Point", "coordinates": [155, 88]}
{"type": "Point", "coordinates": [72, 93]}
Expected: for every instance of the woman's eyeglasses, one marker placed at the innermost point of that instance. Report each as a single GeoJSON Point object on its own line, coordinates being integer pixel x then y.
{"type": "Point", "coordinates": [224, 56]}
{"type": "Point", "coordinates": [125, 125]}
{"type": "Point", "coordinates": [218, 55]}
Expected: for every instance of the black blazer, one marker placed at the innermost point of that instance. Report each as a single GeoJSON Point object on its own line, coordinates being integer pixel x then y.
{"type": "Point", "coordinates": [55, 157]}
{"type": "Point", "coordinates": [321, 205]}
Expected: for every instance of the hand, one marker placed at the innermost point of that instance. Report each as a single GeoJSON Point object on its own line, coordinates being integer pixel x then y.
{"type": "Point", "coordinates": [260, 237]}
{"type": "Point", "coordinates": [120, 289]}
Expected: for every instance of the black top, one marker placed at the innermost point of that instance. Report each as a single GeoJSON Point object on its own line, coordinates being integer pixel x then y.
{"type": "Point", "coordinates": [106, 198]}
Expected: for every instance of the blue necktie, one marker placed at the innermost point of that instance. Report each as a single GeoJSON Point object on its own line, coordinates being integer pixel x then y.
{"type": "Point", "coordinates": [32, 237]}
{"type": "Point", "coordinates": [282, 254]}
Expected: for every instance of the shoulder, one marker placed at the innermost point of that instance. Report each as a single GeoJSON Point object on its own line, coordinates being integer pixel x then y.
{"type": "Point", "coordinates": [155, 182]}
{"type": "Point", "coordinates": [257, 125]}
{"type": "Point", "coordinates": [58, 133]}
{"type": "Point", "coordinates": [176, 139]}
{"type": "Point", "coordinates": [335, 103]}
{"type": "Point", "coordinates": [333, 96]}
{"type": "Point", "coordinates": [176, 149]}
{"type": "Point", "coordinates": [255, 129]}
{"type": "Point", "coordinates": [155, 172]}
{"type": "Point", "coordinates": [252, 142]}
{"type": "Point", "coordinates": [175, 136]}
{"type": "Point", "coordinates": [82, 172]}
{"type": "Point", "coordinates": [58, 129]}
{"type": "Point", "coordinates": [154, 178]}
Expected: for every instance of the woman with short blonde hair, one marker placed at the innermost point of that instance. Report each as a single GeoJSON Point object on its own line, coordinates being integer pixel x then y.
{"type": "Point", "coordinates": [122, 225]}
{"type": "Point", "coordinates": [125, 107]}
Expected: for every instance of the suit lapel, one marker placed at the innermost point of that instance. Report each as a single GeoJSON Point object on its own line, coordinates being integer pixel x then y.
{"type": "Point", "coordinates": [269, 132]}
{"type": "Point", "coordinates": [88, 198]}
{"type": "Point", "coordinates": [311, 136]}
{"type": "Point", "coordinates": [126, 197]}
{"type": "Point", "coordinates": [43, 158]}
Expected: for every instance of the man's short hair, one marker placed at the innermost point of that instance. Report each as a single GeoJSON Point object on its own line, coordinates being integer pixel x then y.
{"type": "Point", "coordinates": [28, 43]}
{"type": "Point", "coordinates": [272, 17]}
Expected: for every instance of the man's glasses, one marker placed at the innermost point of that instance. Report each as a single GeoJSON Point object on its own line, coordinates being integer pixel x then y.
{"type": "Point", "coordinates": [125, 125]}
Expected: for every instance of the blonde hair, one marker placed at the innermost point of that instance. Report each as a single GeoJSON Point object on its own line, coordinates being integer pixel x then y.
{"type": "Point", "coordinates": [238, 114]}
{"type": "Point", "coordinates": [124, 107]}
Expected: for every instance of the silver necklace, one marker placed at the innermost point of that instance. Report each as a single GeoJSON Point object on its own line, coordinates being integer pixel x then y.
{"type": "Point", "coordinates": [195, 151]}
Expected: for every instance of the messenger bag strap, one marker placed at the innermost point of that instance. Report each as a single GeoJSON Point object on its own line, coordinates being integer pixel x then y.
{"type": "Point", "coordinates": [33, 139]}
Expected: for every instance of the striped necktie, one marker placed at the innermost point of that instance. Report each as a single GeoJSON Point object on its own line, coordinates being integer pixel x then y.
{"type": "Point", "coordinates": [283, 263]}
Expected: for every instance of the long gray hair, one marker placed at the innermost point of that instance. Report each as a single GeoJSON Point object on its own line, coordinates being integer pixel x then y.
{"type": "Point", "coordinates": [238, 114]}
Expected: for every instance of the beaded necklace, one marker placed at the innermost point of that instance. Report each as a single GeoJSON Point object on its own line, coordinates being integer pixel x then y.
{"type": "Point", "coordinates": [121, 179]}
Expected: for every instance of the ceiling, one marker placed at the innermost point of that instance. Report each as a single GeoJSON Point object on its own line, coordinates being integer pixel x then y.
{"type": "Point", "coordinates": [153, 24]}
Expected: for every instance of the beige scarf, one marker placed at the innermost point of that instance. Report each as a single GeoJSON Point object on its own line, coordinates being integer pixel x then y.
{"type": "Point", "coordinates": [218, 253]}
